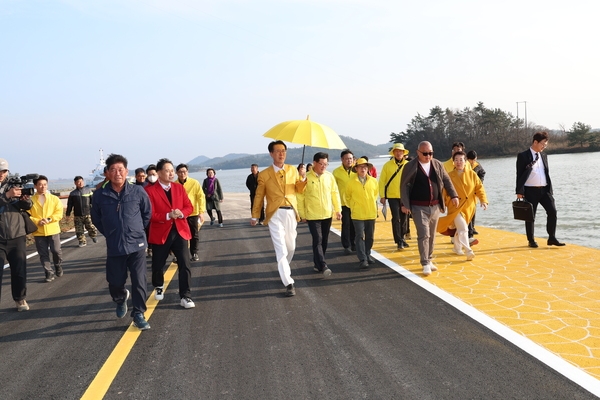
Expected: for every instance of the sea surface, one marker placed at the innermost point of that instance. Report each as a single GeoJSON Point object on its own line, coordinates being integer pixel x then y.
{"type": "Point", "coordinates": [573, 193]}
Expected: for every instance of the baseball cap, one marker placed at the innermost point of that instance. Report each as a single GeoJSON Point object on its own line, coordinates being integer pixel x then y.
{"type": "Point", "coordinates": [3, 164]}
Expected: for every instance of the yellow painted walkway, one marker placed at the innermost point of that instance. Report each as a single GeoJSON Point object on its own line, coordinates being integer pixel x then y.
{"type": "Point", "coordinates": [550, 295]}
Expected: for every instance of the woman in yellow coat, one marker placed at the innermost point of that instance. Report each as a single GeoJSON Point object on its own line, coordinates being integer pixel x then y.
{"type": "Point", "coordinates": [469, 188]}
{"type": "Point", "coordinates": [361, 196]}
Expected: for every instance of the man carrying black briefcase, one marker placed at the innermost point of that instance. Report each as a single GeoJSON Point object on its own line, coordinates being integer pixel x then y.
{"type": "Point", "coordinates": [534, 184]}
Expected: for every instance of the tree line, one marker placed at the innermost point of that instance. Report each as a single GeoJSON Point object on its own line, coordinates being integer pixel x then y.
{"type": "Point", "coordinates": [491, 132]}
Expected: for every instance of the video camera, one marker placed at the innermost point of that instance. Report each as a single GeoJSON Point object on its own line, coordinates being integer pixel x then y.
{"type": "Point", "coordinates": [23, 183]}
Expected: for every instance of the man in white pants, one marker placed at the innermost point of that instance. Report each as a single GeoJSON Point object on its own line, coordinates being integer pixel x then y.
{"type": "Point", "coordinates": [279, 183]}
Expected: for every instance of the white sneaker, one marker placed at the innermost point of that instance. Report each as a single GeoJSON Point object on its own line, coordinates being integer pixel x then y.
{"type": "Point", "coordinates": [186, 302]}
{"type": "Point", "coordinates": [159, 293]}
{"type": "Point", "coordinates": [470, 256]}
{"type": "Point", "coordinates": [427, 269]}
{"type": "Point", "coordinates": [459, 252]}
{"type": "Point", "coordinates": [432, 266]}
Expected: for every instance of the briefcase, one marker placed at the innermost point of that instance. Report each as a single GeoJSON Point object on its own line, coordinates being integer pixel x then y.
{"type": "Point", "coordinates": [523, 210]}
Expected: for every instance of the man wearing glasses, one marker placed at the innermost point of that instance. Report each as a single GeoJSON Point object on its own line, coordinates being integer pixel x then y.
{"type": "Point", "coordinates": [279, 183]}
{"type": "Point", "coordinates": [321, 200]}
{"type": "Point", "coordinates": [421, 186]}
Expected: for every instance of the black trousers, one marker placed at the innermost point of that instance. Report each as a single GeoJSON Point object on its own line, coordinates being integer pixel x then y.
{"type": "Point", "coordinates": [116, 275]}
{"type": "Point", "coordinates": [14, 251]}
{"type": "Point", "coordinates": [399, 220]}
{"type": "Point", "coordinates": [319, 230]}
{"type": "Point", "coordinates": [347, 229]}
{"type": "Point", "coordinates": [160, 253]}
{"type": "Point", "coordinates": [536, 196]}
{"type": "Point", "coordinates": [192, 221]}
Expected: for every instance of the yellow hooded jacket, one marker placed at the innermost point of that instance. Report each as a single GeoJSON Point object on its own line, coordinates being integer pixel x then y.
{"type": "Point", "coordinates": [53, 209]}
{"type": "Point", "coordinates": [196, 195]}
{"type": "Point", "coordinates": [321, 198]}
{"type": "Point", "coordinates": [393, 189]}
{"type": "Point", "coordinates": [362, 200]}
{"type": "Point", "coordinates": [342, 177]}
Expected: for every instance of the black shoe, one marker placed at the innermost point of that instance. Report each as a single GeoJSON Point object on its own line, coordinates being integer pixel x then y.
{"type": "Point", "coordinates": [59, 270]}
{"type": "Point", "coordinates": [347, 250]}
{"type": "Point", "coordinates": [49, 276]}
{"type": "Point", "coordinates": [475, 232]}
{"type": "Point", "coordinates": [352, 248]}
{"type": "Point", "coordinates": [94, 240]}
{"type": "Point", "coordinates": [370, 259]}
{"type": "Point", "coordinates": [404, 243]}
{"type": "Point", "coordinates": [401, 245]}
{"type": "Point", "coordinates": [195, 257]}
{"type": "Point", "coordinates": [316, 269]}
{"type": "Point", "coordinates": [554, 242]}
{"type": "Point", "coordinates": [363, 265]}
{"type": "Point", "coordinates": [290, 290]}
{"type": "Point", "coordinates": [533, 243]}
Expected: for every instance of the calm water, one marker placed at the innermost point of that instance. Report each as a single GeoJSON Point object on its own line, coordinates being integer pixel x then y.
{"type": "Point", "coordinates": [577, 215]}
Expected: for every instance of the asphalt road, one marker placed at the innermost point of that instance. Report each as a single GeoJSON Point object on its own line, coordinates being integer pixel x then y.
{"type": "Point", "coordinates": [355, 335]}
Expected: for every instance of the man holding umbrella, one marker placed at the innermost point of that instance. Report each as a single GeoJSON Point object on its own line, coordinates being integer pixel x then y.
{"type": "Point", "coordinates": [279, 183]}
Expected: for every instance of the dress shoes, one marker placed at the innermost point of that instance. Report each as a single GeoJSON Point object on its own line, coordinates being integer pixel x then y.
{"type": "Point", "coordinates": [554, 242]}
{"type": "Point", "coordinates": [533, 244]}
{"type": "Point", "coordinates": [404, 243]}
{"type": "Point", "coordinates": [290, 290]}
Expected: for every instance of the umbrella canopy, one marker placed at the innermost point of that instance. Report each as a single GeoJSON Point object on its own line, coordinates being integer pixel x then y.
{"type": "Point", "coordinates": [306, 132]}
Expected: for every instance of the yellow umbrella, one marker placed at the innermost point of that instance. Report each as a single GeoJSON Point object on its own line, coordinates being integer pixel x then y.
{"type": "Point", "coordinates": [306, 132]}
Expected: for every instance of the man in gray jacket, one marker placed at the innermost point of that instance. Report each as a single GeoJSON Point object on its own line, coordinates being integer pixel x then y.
{"type": "Point", "coordinates": [12, 236]}
{"type": "Point", "coordinates": [121, 211]}
{"type": "Point", "coordinates": [421, 191]}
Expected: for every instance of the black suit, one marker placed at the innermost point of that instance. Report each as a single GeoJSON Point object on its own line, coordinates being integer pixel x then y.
{"type": "Point", "coordinates": [536, 194]}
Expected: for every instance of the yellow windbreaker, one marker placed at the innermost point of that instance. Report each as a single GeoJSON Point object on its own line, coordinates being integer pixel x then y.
{"type": "Point", "coordinates": [389, 169]}
{"type": "Point", "coordinates": [362, 200]}
{"type": "Point", "coordinates": [342, 177]}
{"type": "Point", "coordinates": [321, 198]}
{"type": "Point", "coordinates": [53, 209]}
{"type": "Point", "coordinates": [196, 195]}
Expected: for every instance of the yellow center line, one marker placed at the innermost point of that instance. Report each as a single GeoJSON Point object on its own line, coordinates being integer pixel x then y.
{"type": "Point", "coordinates": [104, 378]}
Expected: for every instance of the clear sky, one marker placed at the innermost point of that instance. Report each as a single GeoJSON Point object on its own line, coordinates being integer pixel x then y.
{"type": "Point", "coordinates": [179, 79]}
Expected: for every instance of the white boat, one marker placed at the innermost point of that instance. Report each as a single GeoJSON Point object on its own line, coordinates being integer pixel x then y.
{"type": "Point", "coordinates": [97, 174]}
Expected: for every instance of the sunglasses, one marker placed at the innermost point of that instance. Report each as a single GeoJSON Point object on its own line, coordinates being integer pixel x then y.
{"type": "Point", "coordinates": [426, 154]}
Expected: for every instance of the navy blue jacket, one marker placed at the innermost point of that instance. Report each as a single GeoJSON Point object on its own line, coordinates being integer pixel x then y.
{"type": "Point", "coordinates": [121, 218]}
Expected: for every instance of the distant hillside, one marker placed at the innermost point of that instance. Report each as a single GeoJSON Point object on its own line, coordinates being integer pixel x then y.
{"type": "Point", "coordinates": [198, 160]}
{"type": "Point", "coordinates": [294, 156]}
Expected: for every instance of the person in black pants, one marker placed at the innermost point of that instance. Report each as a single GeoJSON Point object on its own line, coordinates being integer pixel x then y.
{"type": "Point", "coordinates": [251, 184]}
{"type": "Point", "coordinates": [534, 184]}
{"type": "Point", "coordinates": [12, 237]}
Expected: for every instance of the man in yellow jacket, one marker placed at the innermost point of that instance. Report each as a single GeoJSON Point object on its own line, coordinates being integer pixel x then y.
{"type": "Point", "coordinates": [343, 174]}
{"type": "Point", "coordinates": [279, 183]}
{"type": "Point", "coordinates": [46, 211]}
{"type": "Point", "coordinates": [319, 202]}
{"type": "Point", "coordinates": [196, 195]}
{"type": "Point", "coordinates": [389, 189]}
{"type": "Point", "coordinates": [361, 194]}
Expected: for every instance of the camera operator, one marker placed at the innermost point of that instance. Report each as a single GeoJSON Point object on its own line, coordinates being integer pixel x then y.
{"type": "Point", "coordinates": [12, 236]}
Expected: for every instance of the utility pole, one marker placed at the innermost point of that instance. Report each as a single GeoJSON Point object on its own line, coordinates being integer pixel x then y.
{"type": "Point", "coordinates": [525, 103]}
